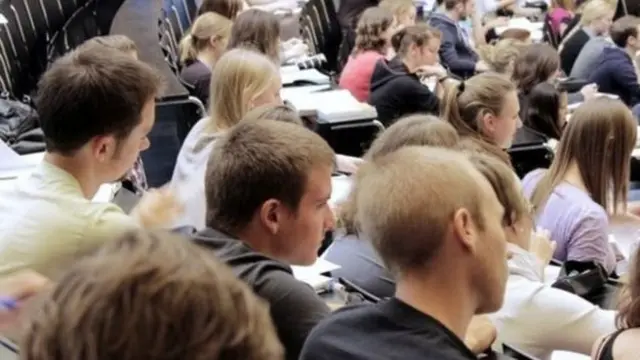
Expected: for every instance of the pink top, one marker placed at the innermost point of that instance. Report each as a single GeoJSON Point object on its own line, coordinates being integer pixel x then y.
{"type": "Point", "coordinates": [557, 16]}
{"type": "Point", "coordinates": [356, 75]}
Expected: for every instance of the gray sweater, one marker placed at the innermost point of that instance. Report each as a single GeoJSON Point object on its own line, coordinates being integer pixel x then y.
{"type": "Point", "coordinates": [589, 56]}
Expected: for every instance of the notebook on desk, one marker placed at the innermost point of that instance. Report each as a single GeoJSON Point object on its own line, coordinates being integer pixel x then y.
{"type": "Point", "coordinates": [291, 75]}
{"type": "Point", "coordinates": [333, 106]}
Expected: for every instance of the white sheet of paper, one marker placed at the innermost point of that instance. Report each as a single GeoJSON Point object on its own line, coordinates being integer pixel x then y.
{"type": "Point", "coordinates": [340, 189]}
{"type": "Point", "coordinates": [13, 165]}
{"type": "Point", "coordinates": [320, 267]}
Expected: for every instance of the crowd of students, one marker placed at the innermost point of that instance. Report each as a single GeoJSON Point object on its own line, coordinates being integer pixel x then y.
{"type": "Point", "coordinates": [437, 225]}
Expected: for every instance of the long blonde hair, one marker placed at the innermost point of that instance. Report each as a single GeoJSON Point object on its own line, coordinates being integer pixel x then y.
{"type": "Point", "coordinates": [599, 139]}
{"type": "Point", "coordinates": [589, 12]}
{"type": "Point", "coordinates": [207, 26]}
{"type": "Point", "coordinates": [238, 77]}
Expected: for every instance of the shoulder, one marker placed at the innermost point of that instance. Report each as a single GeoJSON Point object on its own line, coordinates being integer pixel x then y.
{"type": "Point", "coordinates": [531, 179]}
{"type": "Point", "coordinates": [107, 218]}
{"type": "Point", "coordinates": [339, 325]}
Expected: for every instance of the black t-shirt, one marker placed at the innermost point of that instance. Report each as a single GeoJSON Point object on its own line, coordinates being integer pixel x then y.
{"type": "Point", "coordinates": [295, 307]}
{"type": "Point", "coordinates": [197, 76]}
{"type": "Point", "coordinates": [389, 330]}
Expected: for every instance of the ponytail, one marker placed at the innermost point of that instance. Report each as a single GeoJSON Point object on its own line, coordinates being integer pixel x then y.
{"type": "Point", "coordinates": [188, 51]}
{"type": "Point", "coordinates": [396, 39]}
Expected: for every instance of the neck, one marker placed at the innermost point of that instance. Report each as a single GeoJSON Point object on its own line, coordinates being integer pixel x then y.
{"type": "Point", "coordinates": [411, 65]}
{"type": "Point", "coordinates": [631, 51]}
{"type": "Point", "coordinates": [89, 183]}
{"type": "Point", "coordinates": [450, 305]}
{"type": "Point", "coordinates": [452, 15]}
{"type": "Point", "coordinates": [573, 177]}
{"type": "Point", "coordinates": [591, 30]}
{"type": "Point", "coordinates": [207, 58]}
{"type": "Point", "coordinates": [257, 240]}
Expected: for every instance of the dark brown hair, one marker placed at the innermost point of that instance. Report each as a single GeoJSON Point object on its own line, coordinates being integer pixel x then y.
{"type": "Point", "coordinates": [91, 91]}
{"type": "Point", "coordinates": [599, 139]}
{"type": "Point", "coordinates": [535, 65]}
{"type": "Point", "coordinates": [542, 113]}
{"type": "Point", "coordinates": [226, 8]}
{"type": "Point", "coordinates": [258, 30]}
{"type": "Point", "coordinates": [373, 24]}
{"type": "Point", "coordinates": [450, 4]}
{"type": "Point", "coordinates": [418, 34]}
{"type": "Point", "coordinates": [267, 160]}
{"type": "Point", "coordinates": [624, 28]}
{"type": "Point", "coordinates": [413, 130]}
{"type": "Point", "coordinates": [466, 104]}
{"type": "Point", "coordinates": [150, 295]}
{"type": "Point", "coordinates": [274, 112]}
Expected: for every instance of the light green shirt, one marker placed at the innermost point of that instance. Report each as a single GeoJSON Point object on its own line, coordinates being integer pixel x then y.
{"type": "Point", "coordinates": [46, 223]}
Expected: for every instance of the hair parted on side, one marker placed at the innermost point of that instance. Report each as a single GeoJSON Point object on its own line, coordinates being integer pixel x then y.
{"type": "Point", "coordinates": [372, 26]}
{"type": "Point", "coordinates": [95, 82]}
{"type": "Point", "coordinates": [464, 107]}
{"type": "Point", "coordinates": [274, 112]}
{"type": "Point", "coordinates": [177, 301]}
{"type": "Point", "coordinates": [501, 56]}
{"type": "Point", "coordinates": [239, 76]}
{"type": "Point", "coordinates": [408, 222]}
{"type": "Point", "coordinates": [258, 30]}
{"type": "Point", "coordinates": [599, 139]}
{"type": "Point", "coordinates": [207, 26]}
{"type": "Point", "coordinates": [413, 130]}
{"type": "Point", "coordinates": [227, 8]}
{"type": "Point", "coordinates": [267, 160]}
{"type": "Point", "coordinates": [418, 35]}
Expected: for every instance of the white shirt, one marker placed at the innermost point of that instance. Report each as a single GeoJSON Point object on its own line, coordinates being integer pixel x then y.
{"type": "Point", "coordinates": [538, 319]}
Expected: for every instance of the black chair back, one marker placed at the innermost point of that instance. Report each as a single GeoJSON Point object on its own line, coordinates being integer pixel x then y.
{"type": "Point", "coordinates": [320, 25]}
{"type": "Point", "coordinates": [516, 353]}
{"type": "Point", "coordinates": [530, 157]}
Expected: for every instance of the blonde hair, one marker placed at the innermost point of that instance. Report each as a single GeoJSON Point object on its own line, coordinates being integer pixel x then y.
{"type": "Point", "coordinates": [467, 103]}
{"type": "Point", "coordinates": [413, 130]}
{"type": "Point", "coordinates": [594, 10]}
{"type": "Point", "coordinates": [502, 55]}
{"type": "Point", "coordinates": [178, 300]}
{"type": "Point", "coordinates": [599, 139]}
{"type": "Point", "coordinates": [207, 26]}
{"type": "Point", "coordinates": [397, 7]}
{"type": "Point", "coordinates": [239, 76]}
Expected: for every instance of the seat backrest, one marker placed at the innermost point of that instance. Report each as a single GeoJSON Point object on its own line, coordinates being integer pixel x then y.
{"type": "Point", "coordinates": [82, 25]}
{"type": "Point", "coordinates": [528, 158]}
{"type": "Point", "coordinates": [182, 12]}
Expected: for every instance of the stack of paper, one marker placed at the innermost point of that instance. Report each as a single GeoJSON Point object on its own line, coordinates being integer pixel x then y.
{"type": "Point", "coordinates": [290, 76]}
{"type": "Point", "coordinates": [313, 275]}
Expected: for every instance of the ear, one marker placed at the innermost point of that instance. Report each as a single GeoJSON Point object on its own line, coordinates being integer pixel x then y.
{"type": "Point", "coordinates": [103, 148]}
{"type": "Point", "coordinates": [213, 41]}
{"type": "Point", "coordinates": [488, 120]}
{"type": "Point", "coordinates": [465, 229]}
{"type": "Point", "coordinates": [271, 215]}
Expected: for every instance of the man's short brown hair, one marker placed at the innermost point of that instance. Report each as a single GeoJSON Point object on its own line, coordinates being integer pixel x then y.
{"type": "Point", "coordinates": [150, 296]}
{"type": "Point", "coordinates": [624, 28]}
{"type": "Point", "coordinates": [405, 202]}
{"type": "Point", "coordinates": [119, 42]}
{"type": "Point", "coordinates": [258, 161]}
{"type": "Point", "coordinates": [450, 4]}
{"type": "Point", "coordinates": [93, 90]}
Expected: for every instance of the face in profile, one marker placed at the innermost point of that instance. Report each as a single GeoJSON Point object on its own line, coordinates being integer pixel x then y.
{"type": "Point", "coordinates": [302, 232]}
{"type": "Point", "coordinates": [429, 52]}
{"type": "Point", "coordinates": [491, 251]}
{"type": "Point", "coordinates": [503, 127]}
{"type": "Point", "coordinates": [129, 148]}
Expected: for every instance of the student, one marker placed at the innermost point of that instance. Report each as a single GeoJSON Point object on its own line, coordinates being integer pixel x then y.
{"type": "Point", "coordinates": [373, 36]}
{"type": "Point", "coordinates": [426, 229]}
{"type": "Point", "coordinates": [227, 8]}
{"type": "Point", "coordinates": [136, 179]}
{"type": "Point", "coordinates": [396, 87]}
{"type": "Point", "coordinates": [48, 219]}
{"type": "Point", "coordinates": [501, 56]}
{"type": "Point", "coordinates": [623, 343]}
{"type": "Point", "coordinates": [545, 116]}
{"type": "Point", "coordinates": [404, 11]}
{"type": "Point", "coordinates": [178, 301]}
{"type": "Point", "coordinates": [358, 261]}
{"type": "Point", "coordinates": [535, 317]}
{"type": "Point", "coordinates": [200, 49]}
{"type": "Point", "coordinates": [258, 30]}
{"type": "Point", "coordinates": [616, 72]}
{"type": "Point", "coordinates": [560, 15]}
{"type": "Point", "coordinates": [595, 20]}
{"type": "Point", "coordinates": [485, 111]}
{"type": "Point", "coordinates": [537, 64]}
{"type": "Point", "coordinates": [277, 220]}
{"type": "Point", "coordinates": [244, 79]}
{"type": "Point", "coordinates": [574, 197]}
{"type": "Point", "coordinates": [456, 53]}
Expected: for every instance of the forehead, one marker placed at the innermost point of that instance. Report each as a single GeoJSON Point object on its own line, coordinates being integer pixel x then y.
{"type": "Point", "coordinates": [511, 104]}
{"type": "Point", "coordinates": [319, 181]}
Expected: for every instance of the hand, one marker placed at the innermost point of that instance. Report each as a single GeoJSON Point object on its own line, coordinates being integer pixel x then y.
{"type": "Point", "coordinates": [589, 91]}
{"type": "Point", "coordinates": [432, 70]}
{"type": "Point", "coordinates": [157, 208]}
{"type": "Point", "coordinates": [541, 245]}
{"type": "Point", "coordinates": [481, 333]}
{"type": "Point", "coordinates": [19, 287]}
{"type": "Point", "coordinates": [348, 164]}
{"type": "Point", "coordinates": [481, 66]}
